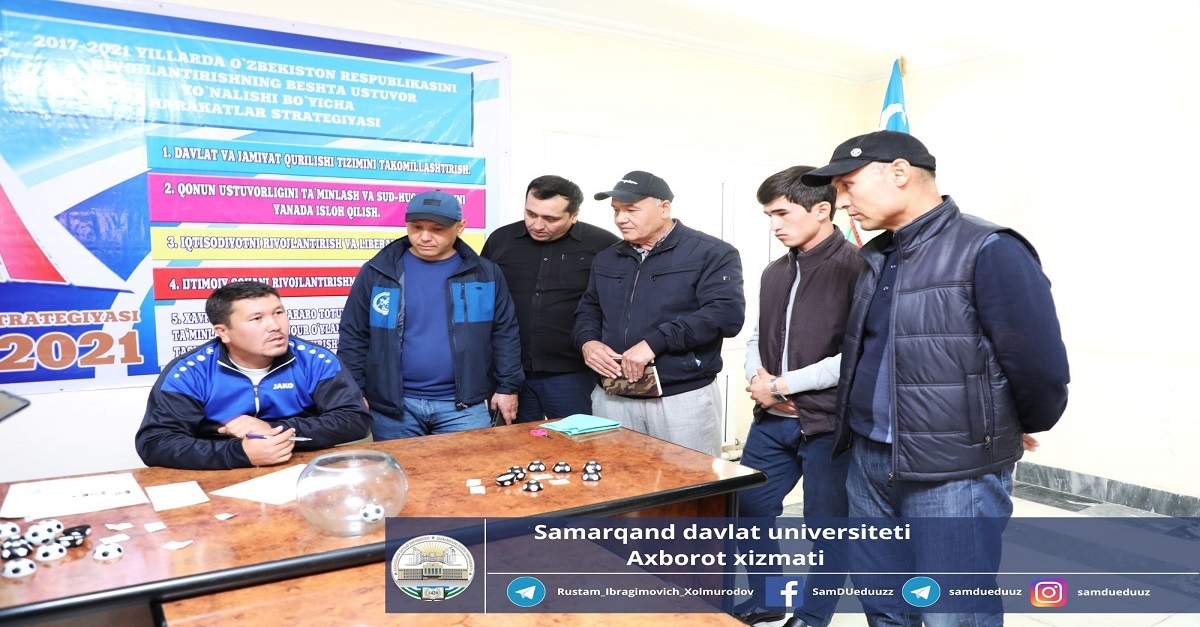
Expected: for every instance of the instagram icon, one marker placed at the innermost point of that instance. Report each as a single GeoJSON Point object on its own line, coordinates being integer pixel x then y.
{"type": "Point", "coordinates": [1048, 592]}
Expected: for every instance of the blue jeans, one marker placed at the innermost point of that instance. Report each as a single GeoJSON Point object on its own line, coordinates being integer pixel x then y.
{"type": "Point", "coordinates": [555, 395]}
{"type": "Point", "coordinates": [971, 513]}
{"type": "Point", "coordinates": [427, 417]}
{"type": "Point", "coordinates": [778, 447]}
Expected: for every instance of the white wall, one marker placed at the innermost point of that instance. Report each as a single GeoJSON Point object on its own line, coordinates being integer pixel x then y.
{"type": "Point", "coordinates": [1085, 151]}
{"type": "Point", "coordinates": [1088, 152]}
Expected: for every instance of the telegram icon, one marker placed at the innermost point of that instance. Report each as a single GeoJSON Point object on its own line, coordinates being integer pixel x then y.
{"type": "Point", "coordinates": [526, 591]}
{"type": "Point", "coordinates": [921, 591]}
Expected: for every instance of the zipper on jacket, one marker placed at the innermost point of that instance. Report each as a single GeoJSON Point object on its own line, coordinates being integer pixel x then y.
{"type": "Point", "coordinates": [462, 294]}
{"type": "Point", "coordinates": [891, 474]}
{"type": "Point", "coordinates": [257, 407]}
{"type": "Point", "coordinates": [629, 309]}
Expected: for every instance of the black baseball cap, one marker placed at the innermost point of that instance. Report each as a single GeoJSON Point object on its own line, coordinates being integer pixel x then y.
{"type": "Point", "coordinates": [638, 185]}
{"type": "Point", "coordinates": [885, 146]}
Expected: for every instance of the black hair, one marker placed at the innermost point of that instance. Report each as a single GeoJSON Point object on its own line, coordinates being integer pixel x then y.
{"type": "Point", "coordinates": [220, 303]}
{"type": "Point", "coordinates": [788, 185]}
{"type": "Point", "coordinates": [549, 186]}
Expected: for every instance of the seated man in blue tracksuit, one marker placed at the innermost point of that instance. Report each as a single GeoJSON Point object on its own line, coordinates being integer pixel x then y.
{"type": "Point", "coordinates": [252, 395]}
{"type": "Point", "coordinates": [429, 331]}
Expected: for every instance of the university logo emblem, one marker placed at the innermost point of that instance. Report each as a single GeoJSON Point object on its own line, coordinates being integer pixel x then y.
{"type": "Point", "coordinates": [432, 568]}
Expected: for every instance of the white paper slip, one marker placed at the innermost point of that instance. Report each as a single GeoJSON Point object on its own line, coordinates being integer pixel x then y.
{"type": "Point", "coordinates": [173, 495]}
{"type": "Point", "coordinates": [120, 537]}
{"type": "Point", "coordinates": [559, 481]}
{"type": "Point", "coordinates": [541, 477]}
{"type": "Point", "coordinates": [119, 526]}
{"type": "Point", "coordinates": [155, 526]}
{"type": "Point", "coordinates": [76, 495]}
{"type": "Point", "coordinates": [224, 516]}
{"type": "Point", "coordinates": [474, 482]}
{"type": "Point", "coordinates": [175, 545]}
{"type": "Point", "coordinates": [276, 488]}
{"type": "Point", "coordinates": [478, 489]}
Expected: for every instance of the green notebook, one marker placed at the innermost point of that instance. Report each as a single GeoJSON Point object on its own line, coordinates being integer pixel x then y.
{"type": "Point", "coordinates": [577, 424]}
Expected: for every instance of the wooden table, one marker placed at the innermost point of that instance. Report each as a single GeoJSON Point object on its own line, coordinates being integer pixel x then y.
{"type": "Point", "coordinates": [263, 544]}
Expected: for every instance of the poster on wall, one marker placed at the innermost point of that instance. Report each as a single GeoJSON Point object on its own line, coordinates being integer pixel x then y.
{"type": "Point", "coordinates": [152, 153]}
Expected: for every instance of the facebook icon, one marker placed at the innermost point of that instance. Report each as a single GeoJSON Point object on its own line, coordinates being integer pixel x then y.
{"type": "Point", "coordinates": [782, 591]}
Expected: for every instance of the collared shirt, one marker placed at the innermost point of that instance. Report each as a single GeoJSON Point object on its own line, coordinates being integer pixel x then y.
{"type": "Point", "coordinates": [646, 251]}
{"type": "Point", "coordinates": [546, 280]}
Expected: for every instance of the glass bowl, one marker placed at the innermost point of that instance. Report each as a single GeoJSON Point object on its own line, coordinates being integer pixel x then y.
{"type": "Point", "coordinates": [350, 493]}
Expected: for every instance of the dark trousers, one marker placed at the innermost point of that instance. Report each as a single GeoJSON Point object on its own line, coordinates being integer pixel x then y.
{"type": "Point", "coordinates": [778, 447]}
{"type": "Point", "coordinates": [555, 395]}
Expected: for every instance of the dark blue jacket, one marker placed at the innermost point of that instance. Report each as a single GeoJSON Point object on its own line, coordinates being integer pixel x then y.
{"type": "Point", "coordinates": [307, 389]}
{"type": "Point", "coordinates": [682, 300]}
{"type": "Point", "coordinates": [485, 342]}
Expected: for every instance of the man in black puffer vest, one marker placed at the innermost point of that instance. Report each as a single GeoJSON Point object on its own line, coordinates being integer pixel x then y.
{"type": "Point", "coordinates": [953, 353]}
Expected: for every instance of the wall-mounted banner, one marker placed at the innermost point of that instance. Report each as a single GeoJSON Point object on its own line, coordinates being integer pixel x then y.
{"type": "Point", "coordinates": [152, 153]}
{"type": "Point", "coordinates": [895, 566]}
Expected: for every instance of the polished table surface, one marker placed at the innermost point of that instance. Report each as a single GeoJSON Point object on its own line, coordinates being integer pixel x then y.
{"type": "Point", "coordinates": [265, 543]}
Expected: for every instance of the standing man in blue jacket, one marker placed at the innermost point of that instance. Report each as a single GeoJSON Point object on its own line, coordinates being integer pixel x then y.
{"type": "Point", "coordinates": [953, 353]}
{"type": "Point", "coordinates": [429, 331]}
{"type": "Point", "coordinates": [667, 294]}
{"type": "Point", "coordinates": [240, 399]}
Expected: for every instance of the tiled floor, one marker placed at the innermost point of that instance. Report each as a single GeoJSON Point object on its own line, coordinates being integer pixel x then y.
{"type": "Point", "coordinates": [1035, 502]}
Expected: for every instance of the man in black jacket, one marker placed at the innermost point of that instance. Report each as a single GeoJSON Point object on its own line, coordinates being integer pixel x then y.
{"type": "Point", "coordinates": [667, 294]}
{"type": "Point", "coordinates": [546, 259]}
{"type": "Point", "coordinates": [792, 365]}
{"type": "Point", "coordinates": [952, 354]}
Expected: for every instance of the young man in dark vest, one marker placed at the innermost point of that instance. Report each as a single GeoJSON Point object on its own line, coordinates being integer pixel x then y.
{"type": "Point", "coordinates": [792, 364]}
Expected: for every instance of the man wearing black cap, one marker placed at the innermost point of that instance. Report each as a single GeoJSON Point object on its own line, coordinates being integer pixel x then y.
{"type": "Point", "coordinates": [667, 295]}
{"type": "Point", "coordinates": [952, 354]}
{"type": "Point", "coordinates": [421, 373]}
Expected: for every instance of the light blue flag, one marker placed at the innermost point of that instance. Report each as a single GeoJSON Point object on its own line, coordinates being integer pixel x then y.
{"type": "Point", "coordinates": [894, 116]}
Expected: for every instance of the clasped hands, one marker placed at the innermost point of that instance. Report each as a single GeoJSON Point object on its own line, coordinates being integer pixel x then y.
{"type": "Point", "coordinates": [609, 363]}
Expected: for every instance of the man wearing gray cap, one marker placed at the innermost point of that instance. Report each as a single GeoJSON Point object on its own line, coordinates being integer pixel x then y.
{"type": "Point", "coordinates": [665, 297]}
{"type": "Point", "coordinates": [429, 331]}
{"type": "Point", "coordinates": [952, 354]}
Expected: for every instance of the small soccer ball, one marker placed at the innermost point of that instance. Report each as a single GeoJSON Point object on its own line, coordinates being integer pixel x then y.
{"type": "Point", "coordinates": [20, 567]}
{"type": "Point", "coordinates": [506, 479]}
{"type": "Point", "coordinates": [107, 552]}
{"type": "Point", "coordinates": [562, 467]}
{"type": "Point", "coordinates": [536, 466]}
{"type": "Point", "coordinates": [13, 548]}
{"type": "Point", "coordinates": [517, 472]}
{"type": "Point", "coordinates": [592, 467]}
{"type": "Point", "coordinates": [533, 486]}
{"type": "Point", "coordinates": [39, 534]}
{"type": "Point", "coordinates": [591, 476]}
{"type": "Point", "coordinates": [53, 525]}
{"type": "Point", "coordinates": [71, 540]}
{"type": "Point", "coordinates": [9, 529]}
{"type": "Point", "coordinates": [371, 513]}
{"type": "Point", "coordinates": [50, 552]}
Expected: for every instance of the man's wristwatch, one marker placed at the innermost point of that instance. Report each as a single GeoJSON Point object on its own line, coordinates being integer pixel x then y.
{"type": "Point", "coordinates": [775, 393]}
